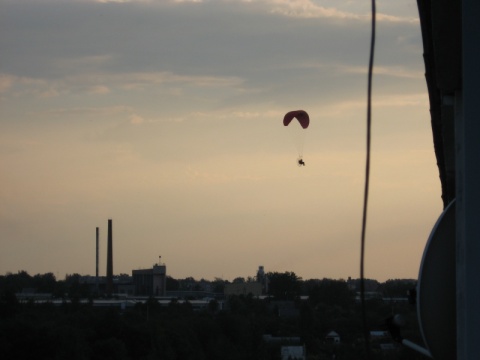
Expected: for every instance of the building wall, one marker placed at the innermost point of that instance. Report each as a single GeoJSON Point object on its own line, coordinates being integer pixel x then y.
{"type": "Point", "coordinates": [150, 282]}
{"type": "Point", "coordinates": [159, 280]}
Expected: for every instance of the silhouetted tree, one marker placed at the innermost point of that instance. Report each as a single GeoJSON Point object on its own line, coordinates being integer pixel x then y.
{"type": "Point", "coordinates": [75, 288]}
{"type": "Point", "coordinates": [396, 287]}
{"type": "Point", "coordinates": [44, 283]}
{"type": "Point", "coordinates": [9, 304]}
{"type": "Point", "coordinates": [331, 292]}
{"type": "Point", "coordinates": [109, 349]}
{"type": "Point", "coordinates": [218, 285]}
{"type": "Point", "coordinates": [285, 285]}
{"type": "Point", "coordinates": [16, 282]}
{"type": "Point", "coordinates": [77, 330]}
{"type": "Point", "coordinates": [172, 284]}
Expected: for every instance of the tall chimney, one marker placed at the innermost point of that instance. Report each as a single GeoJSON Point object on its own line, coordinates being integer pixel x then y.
{"type": "Point", "coordinates": [109, 260]}
{"type": "Point", "coordinates": [96, 258]}
{"type": "Point", "coordinates": [96, 252]}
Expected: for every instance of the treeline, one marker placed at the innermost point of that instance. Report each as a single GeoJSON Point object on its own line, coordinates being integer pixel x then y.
{"type": "Point", "coordinates": [47, 283]}
{"type": "Point", "coordinates": [147, 331]}
{"type": "Point", "coordinates": [77, 330]}
{"type": "Point", "coordinates": [286, 285]}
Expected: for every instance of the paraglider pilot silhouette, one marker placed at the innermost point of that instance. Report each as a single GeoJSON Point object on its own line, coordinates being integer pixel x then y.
{"type": "Point", "coordinates": [297, 130]}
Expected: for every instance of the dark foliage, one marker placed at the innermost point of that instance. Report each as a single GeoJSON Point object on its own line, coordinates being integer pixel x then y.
{"type": "Point", "coordinates": [396, 288]}
{"type": "Point", "coordinates": [285, 285]}
{"type": "Point", "coordinates": [79, 330]}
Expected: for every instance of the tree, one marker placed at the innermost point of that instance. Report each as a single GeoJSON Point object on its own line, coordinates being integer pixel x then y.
{"type": "Point", "coordinates": [172, 284]}
{"type": "Point", "coordinates": [396, 288]}
{"type": "Point", "coordinates": [17, 282]}
{"type": "Point", "coordinates": [285, 285]}
{"type": "Point", "coordinates": [44, 283]}
{"type": "Point", "coordinates": [330, 292]}
{"type": "Point", "coordinates": [75, 288]}
{"type": "Point", "coordinates": [9, 304]}
{"type": "Point", "coordinates": [218, 285]}
{"type": "Point", "coordinates": [111, 348]}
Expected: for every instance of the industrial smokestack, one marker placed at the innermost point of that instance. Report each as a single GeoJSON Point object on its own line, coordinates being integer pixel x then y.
{"type": "Point", "coordinates": [110, 260]}
{"type": "Point", "coordinates": [97, 240]}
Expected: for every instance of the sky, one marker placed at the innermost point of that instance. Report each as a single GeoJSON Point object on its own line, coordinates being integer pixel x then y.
{"type": "Point", "coordinates": [166, 117]}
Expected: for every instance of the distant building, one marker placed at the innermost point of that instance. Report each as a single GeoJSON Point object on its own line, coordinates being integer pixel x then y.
{"type": "Point", "coordinates": [332, 337]}
{"type": "Point", "coordinates": [122, 284]}
{"type": "Point", "coordinates": [244, 288]}
{"type": "Point", "coordinates": [262, 279]}
{"type": "Point", "coordinates": [150, 282]}
{"type": "Point", "coordinates": [293, 353]}
{"type": "Point", "coordinates": [192, 295]}
{"type": "Point", "coordinates": [270, 339]}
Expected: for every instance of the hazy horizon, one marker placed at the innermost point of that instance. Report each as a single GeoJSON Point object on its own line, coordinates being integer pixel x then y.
{"type": "Point", "coordinates": [245, 277]}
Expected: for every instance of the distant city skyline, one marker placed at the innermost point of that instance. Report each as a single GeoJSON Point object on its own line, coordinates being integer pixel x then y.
{"type": "Point", "coordinates": [166, 116]}
{"type": "Point", "coordinates": [246, 277]}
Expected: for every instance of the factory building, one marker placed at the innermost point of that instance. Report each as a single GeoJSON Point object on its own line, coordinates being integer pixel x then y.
{"type": "Point", "coordinates": [150, 282]}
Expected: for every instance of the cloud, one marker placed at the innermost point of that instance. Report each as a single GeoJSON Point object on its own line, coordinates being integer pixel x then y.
{"type": "Point", "coordinates": [16, 86]}
{"type": "Point", "coordinates": [136, 119]}
{"type": "Point", "coordinates": [172, 40]}
{"type": "Point", "coordinates": [393, 71]}
{"type": "Point", "coordinates": [6, 82]}
{"type": "Point", "coordinates": [113, 1]}
{"type": "Point", "coordinates": [99, 111]}
{"type": "Point", "coordinates": [132, 80]}
{"type": "Point", "coordinates": [99, 90]}
{"type": "Point", "coordinates": [195, 176]}
{"type": "Point", "coordinates": [308, 9]}
{"type": "Point", "coordinates": [105, 83]}
{"type": "Point", "coordinates": [90, 62]}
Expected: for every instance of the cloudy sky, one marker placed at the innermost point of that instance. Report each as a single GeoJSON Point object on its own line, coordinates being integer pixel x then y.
{"type": "Point", "coordinates": [166, 116]}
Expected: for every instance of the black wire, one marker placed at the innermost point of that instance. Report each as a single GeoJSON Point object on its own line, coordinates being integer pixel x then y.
{"type": "Point", "coordinates": [367, 183]}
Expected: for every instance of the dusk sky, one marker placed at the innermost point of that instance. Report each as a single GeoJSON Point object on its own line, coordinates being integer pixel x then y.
{"type": "Point", "coordinates": [166, 117]}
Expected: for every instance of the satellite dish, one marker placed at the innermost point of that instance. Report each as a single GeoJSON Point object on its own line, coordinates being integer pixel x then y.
{"type": "Point", "coordinates": [436, 290]}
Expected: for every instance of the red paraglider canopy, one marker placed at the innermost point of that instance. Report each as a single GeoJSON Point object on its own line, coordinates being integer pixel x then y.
{"type": "Point", "coordinates": [300, 115]}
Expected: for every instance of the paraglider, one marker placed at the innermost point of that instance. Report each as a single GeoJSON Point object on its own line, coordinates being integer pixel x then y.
{"type": "Point", "coordinates": [297, 121]}
{"type": "Point", "coordinates": [300, 115]}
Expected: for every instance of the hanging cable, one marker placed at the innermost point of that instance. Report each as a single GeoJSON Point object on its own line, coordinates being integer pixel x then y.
{"type": "Point", "coordinates": [367, 183]}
